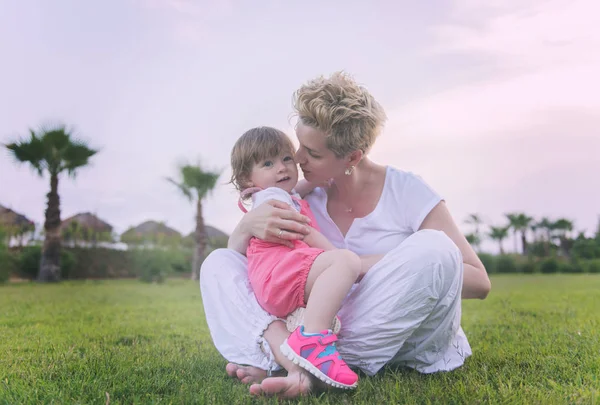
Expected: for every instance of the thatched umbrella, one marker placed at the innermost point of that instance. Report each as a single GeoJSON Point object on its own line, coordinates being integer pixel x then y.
{"type": "Point", "coordinates": [86, 227]}
{"type": "Point", "coordinates": [216, 237]}
{"type": "Point", "coordinates": [15, 224]}
{"type": "Point", "coordinates": [150, 232]}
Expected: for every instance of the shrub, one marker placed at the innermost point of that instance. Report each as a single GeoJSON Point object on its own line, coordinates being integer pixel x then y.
{"type": "Point", "coordinates": [527, 267]}
{"type": "Point", "coordinates": [7, 264]}
{"type": "Point", "coordinates": [67, 263]}
{"type": "Point", "coordinates": [586, 249]}
{"type": "Point", "coordinates": [489, 262]}
{"type": "Point", "coordinates": [506, 264]}
{"type": "Point", "coordinates": [29, 262]}
{"type": "Point", "coordinates": [100, 262]}
{"type": "Point", "coordinates": [549, 265]}
{"type": "Point", "coordinates": [152, 265]}
{"type": "Point", "coordinates": [592, 266]}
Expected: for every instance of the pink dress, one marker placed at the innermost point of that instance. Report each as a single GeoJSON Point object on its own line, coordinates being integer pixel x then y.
{"type": "Point", "coordinates": [278, 274]}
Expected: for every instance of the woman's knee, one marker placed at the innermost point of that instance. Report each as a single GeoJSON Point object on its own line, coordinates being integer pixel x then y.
{"type": "Point", "coordinates": [434, 251]}
{"type": "Point", "coordinates": [434, 245]}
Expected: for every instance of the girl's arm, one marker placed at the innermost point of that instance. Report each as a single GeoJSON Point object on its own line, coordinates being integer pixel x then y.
{"type": "Point", "coordinates": [317, 240]}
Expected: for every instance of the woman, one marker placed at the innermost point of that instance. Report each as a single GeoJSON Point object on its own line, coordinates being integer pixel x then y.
{"type": "Point", "coordinates": [416, 263]}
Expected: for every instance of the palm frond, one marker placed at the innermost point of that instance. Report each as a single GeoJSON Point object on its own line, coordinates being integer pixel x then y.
{"type": "Point", "coordinates": [29, 151]}
{"type": "Point", "coordinates": [199, 179]}
{"type": "Point", "coordinates": [76, 154]}
{"type": "Point", "coordinates": [52, 148]}
{"type": "Point", "coordinates": [186, 191]}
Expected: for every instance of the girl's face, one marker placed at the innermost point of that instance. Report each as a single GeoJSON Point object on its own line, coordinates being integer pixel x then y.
{"type": "Point", "coordinates": [317, 162]}
{"type": "Point", "coordinates": [279, 171]}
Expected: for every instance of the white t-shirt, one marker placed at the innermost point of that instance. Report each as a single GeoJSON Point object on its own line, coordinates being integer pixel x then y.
{"type": "Point", "coordinates": [404, 203]}
{"type": "Point", "coordinates": [275, 193]}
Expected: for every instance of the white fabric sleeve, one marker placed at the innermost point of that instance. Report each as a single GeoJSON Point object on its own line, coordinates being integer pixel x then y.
{"type": "Point", "coordinates": [271, 193]}
{"type": "Point", "coordinates": [418, 200]}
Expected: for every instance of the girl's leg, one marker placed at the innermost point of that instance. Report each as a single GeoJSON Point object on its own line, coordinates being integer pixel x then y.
{"type": "Point", "coordinates": [312, 346]}
{"type": "Point", "coordinates": [297, 382]}
{"type": "Point", "coordinates": [331, 276]}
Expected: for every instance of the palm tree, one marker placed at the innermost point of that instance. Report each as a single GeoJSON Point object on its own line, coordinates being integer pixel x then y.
{"type": "Point", "coordinates": [476, 221]}
{"type": "Point", "coordinates": [473, 240]}
{"type": "Point", "coordinates": [563, 227]}
{"type": "Point", "coordinates": [519, 222]}
{"type": "Point", "coordinates": [52, 150]}
{"type": "Point", "coordinates": [546, 226]}
{"type": "Point", "coordinates": [196, 183]}
{"type": "Point", "coordinates": [499, 233]}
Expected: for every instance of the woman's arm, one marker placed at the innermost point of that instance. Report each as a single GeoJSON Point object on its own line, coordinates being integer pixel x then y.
{"type": "Point", "coordinates": [476, 283]}
{"type": "Point", "coordinates": [265, 222]}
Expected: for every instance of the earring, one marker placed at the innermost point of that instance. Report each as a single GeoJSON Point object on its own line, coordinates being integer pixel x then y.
{"type": "Point", "coordinates": [348, 171]}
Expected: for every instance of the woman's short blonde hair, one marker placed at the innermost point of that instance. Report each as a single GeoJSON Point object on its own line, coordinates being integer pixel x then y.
{"type": "Point", "coordinates": [254, 146]}
{"type": "Point", "coordinates": [348, 114]}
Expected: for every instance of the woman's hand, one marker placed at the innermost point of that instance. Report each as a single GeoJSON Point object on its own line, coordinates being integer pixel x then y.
{"type": "Point", "coordinates": [273, 221]}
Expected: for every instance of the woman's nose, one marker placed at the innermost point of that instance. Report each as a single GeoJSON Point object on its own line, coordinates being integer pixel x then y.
{"type": "Point", "coordinates": [299, 156]}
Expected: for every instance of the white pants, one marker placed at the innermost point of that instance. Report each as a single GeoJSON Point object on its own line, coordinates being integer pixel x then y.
{"type": "Point", "coordinates": [405, 311]}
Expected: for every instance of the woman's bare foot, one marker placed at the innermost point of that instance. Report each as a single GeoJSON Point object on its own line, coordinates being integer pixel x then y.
{"type": "Point", "coordinates": [294, 385]}
{"type": "Point", "coordinates": [246, 374]}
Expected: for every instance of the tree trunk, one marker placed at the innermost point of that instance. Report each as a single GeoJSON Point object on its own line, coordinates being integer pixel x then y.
{"type": "Point", "coordinates": [501, 248]}
{"type": "Point", "coordinates": [200, 236]}
{"type": "Point", "coordinates": [524, 242]}
{"type": "Point", "coordinates": [50, 263]}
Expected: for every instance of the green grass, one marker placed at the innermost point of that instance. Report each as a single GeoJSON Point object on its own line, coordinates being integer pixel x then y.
{"type": "Point", "coordinates": [535, 340]}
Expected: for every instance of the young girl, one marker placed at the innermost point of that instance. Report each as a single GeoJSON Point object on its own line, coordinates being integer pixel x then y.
{"type": "Point", "coordinates": [313, 274]}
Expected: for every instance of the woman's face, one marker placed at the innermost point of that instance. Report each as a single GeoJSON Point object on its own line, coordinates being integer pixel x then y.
{"type": "Point", "coordinates": [317, 162]}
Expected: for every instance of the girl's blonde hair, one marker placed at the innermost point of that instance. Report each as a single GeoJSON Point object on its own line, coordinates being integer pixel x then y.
{"type": "Point", "coordinates": [348, 114]}
{"type": "Point", "coordinates": [255, 145]}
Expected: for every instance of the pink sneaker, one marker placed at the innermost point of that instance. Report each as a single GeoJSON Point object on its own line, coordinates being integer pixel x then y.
{"type": "Point", "coordinates": [317, 354]}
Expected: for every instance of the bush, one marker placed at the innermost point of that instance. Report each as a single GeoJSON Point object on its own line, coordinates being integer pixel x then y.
{"type": "Point", "coordinates": [586, 249]}
{"type": "Point", "coordinates": [153, 265]}
{"type": "Point", "coordinates": [29, 259]}
{"type": "Point", "coordinates": [506, 264]}
{"type": "Point", "coordinates": [569, 267]}
{"type": "Point", "coordinates": [29, 262]}
{"type": "Point", "coordinates": [527, 267]}
{"type": "Point", "coordinates": [7, 264]}
{"type": "Point", "coordinates": [592, 266]}
{"type": "Point", "coordinates": [549, 265]}
{"type": "Point", "coordinates": [100, 262]}
{"type": "Point", "coordinates": [67, 264]}
{"type": "Point", "coordinates": [489, 262]}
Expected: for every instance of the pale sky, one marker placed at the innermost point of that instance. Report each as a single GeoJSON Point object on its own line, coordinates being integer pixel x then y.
{"type": "Point", "coordinates": [496, 104]}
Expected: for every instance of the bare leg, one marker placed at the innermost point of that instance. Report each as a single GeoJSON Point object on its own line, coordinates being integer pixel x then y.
{"type": "Point", "coordinates": [297, 383]}
{"type": "Point", "coordinates": [330, 278]}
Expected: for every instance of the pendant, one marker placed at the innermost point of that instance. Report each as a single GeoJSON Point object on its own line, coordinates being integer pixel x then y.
{"type": "Point", "coordinates": [348, 210]}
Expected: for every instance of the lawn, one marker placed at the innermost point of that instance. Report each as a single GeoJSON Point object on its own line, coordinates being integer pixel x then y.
{"type": "Point", "coordinates": [536, 339]}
